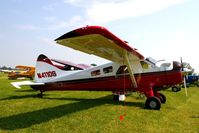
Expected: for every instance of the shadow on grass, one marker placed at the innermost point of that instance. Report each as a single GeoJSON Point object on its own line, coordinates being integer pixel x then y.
{"type": "Point", "coordinates": [29, 90]}
{"type": "Point", "coordinates": [25, 120]}
{"type": "Point", "coordinates": [18, 97]}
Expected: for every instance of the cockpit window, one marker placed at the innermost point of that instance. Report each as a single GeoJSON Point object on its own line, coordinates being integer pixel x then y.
{"type": "Point", "coordinates": [108, 69]}
{"type": "Point", "coordinates": [122, 70]}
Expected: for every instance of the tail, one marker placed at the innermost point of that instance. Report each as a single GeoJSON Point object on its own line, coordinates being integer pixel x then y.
{"type": "Point", "coordinates": [46, 71]}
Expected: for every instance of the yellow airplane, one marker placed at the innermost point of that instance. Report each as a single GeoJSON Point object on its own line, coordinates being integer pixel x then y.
{"type": "Point", "coordinates": [22, 72]}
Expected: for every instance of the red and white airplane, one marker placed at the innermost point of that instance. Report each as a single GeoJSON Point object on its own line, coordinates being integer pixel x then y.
{"type": "Point", "coordinates": [128, 71]}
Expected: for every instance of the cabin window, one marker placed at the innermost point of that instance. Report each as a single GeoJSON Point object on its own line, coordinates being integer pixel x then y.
{"type": "Point", "coordinates": [95, 73]}
{"type": "Point", "coordinates": [108, 69]}
{"type": "Point", "coordinates": [122, 70]}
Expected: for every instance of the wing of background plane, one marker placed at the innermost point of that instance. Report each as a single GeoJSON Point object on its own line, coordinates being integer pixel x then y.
{"type": "Point", "coordinates": [98, 41]}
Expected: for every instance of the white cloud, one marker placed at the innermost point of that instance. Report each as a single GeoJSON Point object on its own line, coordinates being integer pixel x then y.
{"type": "Point", "coordinates": [113, 10]}
{"type": "Point", "coordinates": [101, 11]}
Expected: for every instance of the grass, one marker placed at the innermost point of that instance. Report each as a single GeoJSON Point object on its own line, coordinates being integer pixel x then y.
{"type": "Point", "coordinates": [88, 112]}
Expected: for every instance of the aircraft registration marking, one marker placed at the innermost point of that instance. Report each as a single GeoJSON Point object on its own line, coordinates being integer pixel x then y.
{"type": "Point", "coordinates": [47, 74]}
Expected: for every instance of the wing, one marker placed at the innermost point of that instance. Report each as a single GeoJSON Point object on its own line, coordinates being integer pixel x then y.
{"type": "Point", "coordinates": [99, 41]}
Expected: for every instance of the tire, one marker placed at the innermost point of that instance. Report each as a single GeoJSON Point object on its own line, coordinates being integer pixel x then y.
{"type": "Point", "coordinates": [163, 98]}
{"type": "Point", "coordinates": [175, 89]}
{"type": "Point", "coordinates": [153, 103]}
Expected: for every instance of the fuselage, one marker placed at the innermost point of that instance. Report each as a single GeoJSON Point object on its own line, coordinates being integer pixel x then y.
{"type": "Point", "coordinates": [109, 77]}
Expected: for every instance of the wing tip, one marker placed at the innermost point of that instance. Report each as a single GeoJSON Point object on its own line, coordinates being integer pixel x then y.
{"type": "Point", "coordinates": [77, 32]}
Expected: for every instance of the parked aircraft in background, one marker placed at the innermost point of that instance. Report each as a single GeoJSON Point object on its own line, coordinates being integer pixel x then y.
{"type": "Point", "coordinates": [21, 72]}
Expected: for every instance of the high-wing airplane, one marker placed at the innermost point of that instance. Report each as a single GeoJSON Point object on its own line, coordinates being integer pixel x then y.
{"type": "Point", "coordinates": [128, 71]}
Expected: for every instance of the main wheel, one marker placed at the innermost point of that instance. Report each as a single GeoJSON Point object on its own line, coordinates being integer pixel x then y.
{"type": "Point", "coordinates": [153, 103]}
{"type": "Point", "coordinates": [162, 98]}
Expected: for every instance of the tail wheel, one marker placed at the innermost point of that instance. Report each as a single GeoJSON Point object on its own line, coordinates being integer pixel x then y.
{"type": "Point", "coordinates": [153, 103]}
{"type": "Point", "coordinates": [162, 98]}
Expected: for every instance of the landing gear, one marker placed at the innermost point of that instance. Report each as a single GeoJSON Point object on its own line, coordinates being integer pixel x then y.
{"type": "Point", "coordinates": [153, 103]}
{"type": "Point", "coordinates": [162, 98]}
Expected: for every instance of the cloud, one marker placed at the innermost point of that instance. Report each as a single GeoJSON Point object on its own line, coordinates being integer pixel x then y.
{"type": "Point", "coordinates": [114, 10]}
{"type": "Point", "coordinates": [101, 11]}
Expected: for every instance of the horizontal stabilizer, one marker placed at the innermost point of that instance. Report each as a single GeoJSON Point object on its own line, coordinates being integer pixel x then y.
{"type": "Point", "coordinates": [23, 83]}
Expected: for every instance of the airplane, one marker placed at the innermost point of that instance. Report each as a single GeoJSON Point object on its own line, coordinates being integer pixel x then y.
{"type": "Point", "coordinates": [22, 72]}
{"type": "Point", "coordinates": [127, 72]}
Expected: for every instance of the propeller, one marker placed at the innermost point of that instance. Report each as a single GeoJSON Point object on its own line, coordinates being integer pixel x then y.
{"type": "Point", "coordinates": [184, 76]}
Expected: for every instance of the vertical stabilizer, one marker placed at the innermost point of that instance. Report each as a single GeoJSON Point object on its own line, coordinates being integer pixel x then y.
{"type": "Point", "coordinates": [46, 71]}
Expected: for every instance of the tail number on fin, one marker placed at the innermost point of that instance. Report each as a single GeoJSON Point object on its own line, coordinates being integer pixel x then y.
{"type": "Point", "coordinates": [47, 74]}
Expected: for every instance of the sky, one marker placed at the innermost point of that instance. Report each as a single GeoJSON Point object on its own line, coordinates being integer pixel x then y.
{"type": "Point", "coordinates": [161, 29]}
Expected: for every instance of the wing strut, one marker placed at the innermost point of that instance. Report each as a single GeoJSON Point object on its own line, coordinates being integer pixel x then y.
{"type": "Point", "coordinates": [130, 70]}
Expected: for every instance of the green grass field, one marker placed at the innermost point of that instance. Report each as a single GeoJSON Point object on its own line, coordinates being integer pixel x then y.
{"type": "Point", "coordinates": [90, 112]}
